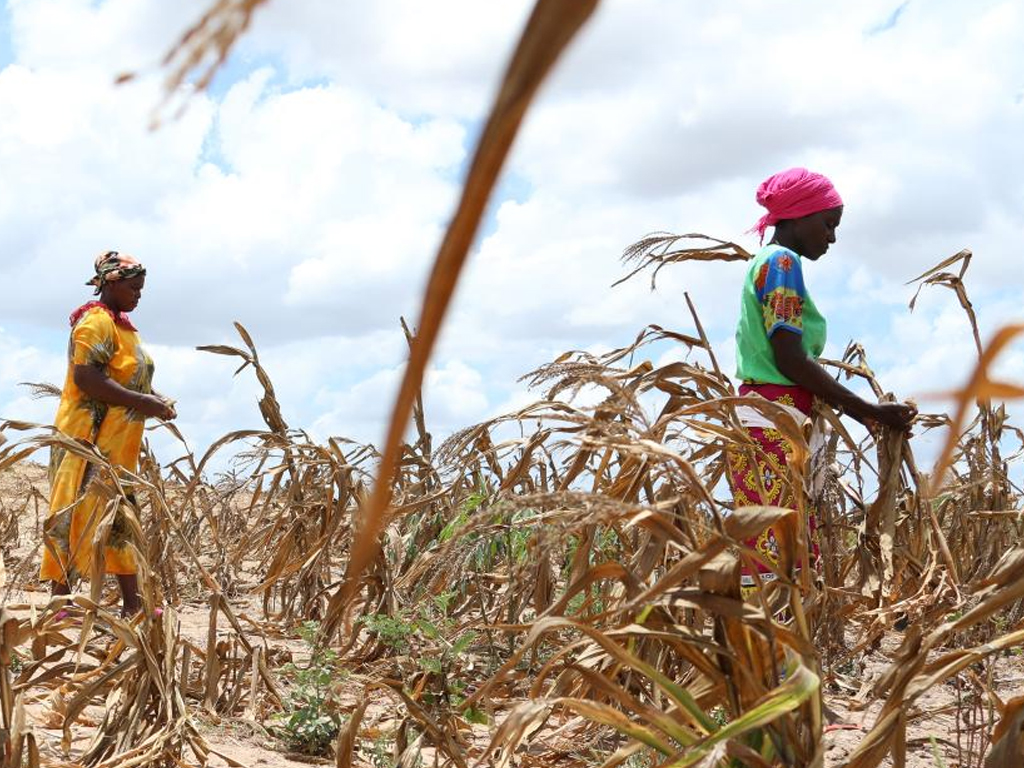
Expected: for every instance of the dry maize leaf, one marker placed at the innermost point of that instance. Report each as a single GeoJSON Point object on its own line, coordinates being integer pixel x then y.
{"type": "Point", "coordinates": [656, 249]}
{"type": "Point", "coordinates": [54, 709]}
{"type": "Point", "coordinates": [663, 721]}
{"type": "Point", "coordinates": [966, 396]}
{"type": "Point", "coordinates": [949, 664]}
{"type": "Point", "coordinates": [879, 741]}
{"type": "Point", "coordinates": [623, 754]}
{"type": "Point", "coordinates": [609, 716]}
{"type": "Point", "coordinates": [441, 737]}
{"type": "Point", "coordinates": [524, 718]}
{"type": "Point", "coordinates": [551, 27]}
{"type": "Point", "coordinates": [347, 738]}
{"type": "Point", "coordinates": [604, 571]}
{"type": "Point", "coordinates": [1008, 737]}
{"type": "Point", "coordinates": [747, 522]}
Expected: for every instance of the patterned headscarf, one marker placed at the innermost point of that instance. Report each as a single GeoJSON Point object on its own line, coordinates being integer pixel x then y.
{"type": "Point", "coordinates": [793, 194]}
{"type": "Point", "coordinates": [112, 266]}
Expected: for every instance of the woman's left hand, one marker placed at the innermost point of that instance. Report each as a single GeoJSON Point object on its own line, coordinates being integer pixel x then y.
{"type": "Point", "coordinates": [171, 406]}
{"type": "Point", "coordinates": [895, 415]}
{"type": "Point", "coordinates": [898, 416]}
{"type": "Point", "coordinates": [170, 403]}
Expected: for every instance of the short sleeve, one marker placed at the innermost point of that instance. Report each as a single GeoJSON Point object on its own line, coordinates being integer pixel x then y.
{"type": "Point", "coordinates": [93, 339]}
{"type": "Point", "coordinates": [779, 286]}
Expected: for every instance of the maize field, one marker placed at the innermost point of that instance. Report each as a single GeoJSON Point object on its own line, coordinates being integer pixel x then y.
{"type": "Point", "coordinates": [558, 586]}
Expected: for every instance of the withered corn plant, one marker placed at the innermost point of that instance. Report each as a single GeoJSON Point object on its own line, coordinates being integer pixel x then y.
{"type": "Point", "coordinates": [566, 574]}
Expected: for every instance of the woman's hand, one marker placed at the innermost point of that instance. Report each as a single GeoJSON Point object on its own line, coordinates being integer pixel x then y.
{"type": "Point", "coordinates": [894, 415]}
{"type": "Point", "coordinates": [169, 402]}
{"type": "Point", "coordinates": [155, 407]}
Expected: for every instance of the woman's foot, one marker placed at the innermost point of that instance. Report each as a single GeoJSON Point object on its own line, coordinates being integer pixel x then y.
{"type": "Point", "coordinates": [59, 588]}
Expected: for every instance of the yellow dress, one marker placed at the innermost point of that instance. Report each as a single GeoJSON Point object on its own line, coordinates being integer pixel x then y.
{"type": "Point", "coordinates": [76, 506]}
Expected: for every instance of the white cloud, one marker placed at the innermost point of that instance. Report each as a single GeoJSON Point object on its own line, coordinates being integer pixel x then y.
{"type": "Point", "coordinates": [438, 58]}
{"type": "Point", "coordinates": [305, 196]}
{"type": "Point", "coordinates": [100, 38]}
{"type": "Point", "coordinates": [23, 362]}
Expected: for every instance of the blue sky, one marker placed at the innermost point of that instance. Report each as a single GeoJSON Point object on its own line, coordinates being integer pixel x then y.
{"type": "Point", "coordinates": [305, 193]}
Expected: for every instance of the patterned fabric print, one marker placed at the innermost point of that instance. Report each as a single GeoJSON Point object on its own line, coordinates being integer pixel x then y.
{"type": "Point", "coordinates": [113, 265]}
{"type": "Point", "coordinates": [764, 480]}
{"type": "Point", "coordinates": [142, 379]}
{"type": "Point", "coordinates": [780, 289]}
{"type": "Point", "coordinates": [76, 504]}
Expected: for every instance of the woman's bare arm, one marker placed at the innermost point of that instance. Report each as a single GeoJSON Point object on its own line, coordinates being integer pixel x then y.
{"type": "Point", "coordinates": [795, 364]}
{"type": "Point", "coordinates": [96, 384]}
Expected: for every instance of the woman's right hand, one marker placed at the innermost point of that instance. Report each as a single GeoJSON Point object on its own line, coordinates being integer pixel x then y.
{"type": "Point", "coordinates": [896, 415]}
{"type": "Point", "coordinates": [155, 407]}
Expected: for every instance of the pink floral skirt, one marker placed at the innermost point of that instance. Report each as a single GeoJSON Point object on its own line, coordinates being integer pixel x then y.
{"type": "Point", "coordinates": [763, 479]}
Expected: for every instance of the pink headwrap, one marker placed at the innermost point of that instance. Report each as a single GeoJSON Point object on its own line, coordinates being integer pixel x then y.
{"type": "Point", "coordinates": [792, 194]}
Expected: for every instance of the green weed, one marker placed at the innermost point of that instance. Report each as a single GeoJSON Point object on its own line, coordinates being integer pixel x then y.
{"type": "Point", "coordinates": [311, 720]}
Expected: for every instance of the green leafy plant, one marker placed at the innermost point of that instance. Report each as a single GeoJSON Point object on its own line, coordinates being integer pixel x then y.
{"type": "Point", "coordinates": [644, 758]}
{"type": "Point", "coordinates": [381, 751]}
{"type": "Point", "coordinates": [393, 631]}
{"type": "Point", "coordinates": [311, 721]}
{"type": "Point", "coordinates": [936, 755]}
{"type": "Point", "coordinates": [432, 637]}
{"type": "Point", "coordinates": [472, 502]}
{"type": "Point", "coordinates": [509, 530]}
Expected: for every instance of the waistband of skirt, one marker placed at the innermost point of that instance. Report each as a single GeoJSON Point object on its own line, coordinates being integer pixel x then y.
{"type": "Point", "coordinates": [788, 394]}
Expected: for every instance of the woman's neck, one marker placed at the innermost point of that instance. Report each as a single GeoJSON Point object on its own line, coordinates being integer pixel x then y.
{"type": "Point", "coordinates": [785, 242]}
{"type": "Point", "coordinates": [109, 304]}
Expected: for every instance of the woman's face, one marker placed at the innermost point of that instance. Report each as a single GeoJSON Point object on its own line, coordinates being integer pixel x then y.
{"type": "Point", "coordinates": [815, 233]}
{"type": "Point", "coordinates": [124, 295]}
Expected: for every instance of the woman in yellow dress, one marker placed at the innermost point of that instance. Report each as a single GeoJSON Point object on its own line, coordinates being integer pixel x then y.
{"type": "Point", "coordinates": [106, 399]}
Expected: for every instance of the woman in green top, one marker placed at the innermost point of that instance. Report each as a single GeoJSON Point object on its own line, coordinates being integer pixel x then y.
{"type": "Point", "coordinates": [780, 335]}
